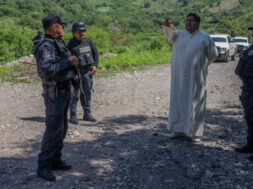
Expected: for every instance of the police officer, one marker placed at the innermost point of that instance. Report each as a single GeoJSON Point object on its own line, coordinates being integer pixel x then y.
{"type": "Point", "coordinates": [87, 54]}
{"type": "Point", "coordinates": [38, 36]}
{"type": "Point", "coordinates": [244, 70]}
{"type": "Point", "coordinates": [55, 67]}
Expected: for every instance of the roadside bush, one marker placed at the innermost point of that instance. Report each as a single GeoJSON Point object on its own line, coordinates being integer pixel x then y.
{"type": "Point", "coordinates": [11, 74]}
{"type": "Point", "coordinates": [131, 58]}
{"type": "Point", "coordinates": [101, 38]}
{"type": "Point", "coordinates": [156, 44]}
{"type": "Point", "coordinates": [15, 41]}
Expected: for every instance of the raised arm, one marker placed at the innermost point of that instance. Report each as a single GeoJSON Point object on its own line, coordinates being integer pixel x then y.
{"type": "Point", "coordinates": [169, 31]}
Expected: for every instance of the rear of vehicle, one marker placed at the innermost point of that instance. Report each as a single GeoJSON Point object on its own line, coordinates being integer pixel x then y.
{"type": "Point", "coordinates": [225, 47]}
{"type": "Point", "coordinates": [221, 43]}
{"type": "Point", "coordinates": [242, 43]}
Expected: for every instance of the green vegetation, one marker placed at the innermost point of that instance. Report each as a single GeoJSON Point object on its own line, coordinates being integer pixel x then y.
{"type": "Point", "coordinates": [135, 59]}
{"type": "Point", "coordinates": [13, 73]}
{"type": "Point", "coordinates": [15, 40]}
{"type": "Point", "coordinates": [129, 28]}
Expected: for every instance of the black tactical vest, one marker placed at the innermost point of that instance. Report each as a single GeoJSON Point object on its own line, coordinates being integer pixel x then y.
{"type": "Point", "coordinates": [69, 74]}
{"type": "Point", "coordinates": [244, 68]}
{"type": "Point", "coordinates": [84, 53]}
{"type": "Point", "coordinates": [37, 43]}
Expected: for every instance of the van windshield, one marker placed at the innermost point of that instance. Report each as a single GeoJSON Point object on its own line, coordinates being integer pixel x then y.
{"type": "Point", "coordinates": [219, 39]}
{"type": "Point", "coordinates": [241, 40]}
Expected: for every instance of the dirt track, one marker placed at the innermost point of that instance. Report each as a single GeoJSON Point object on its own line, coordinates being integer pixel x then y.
{"type": "Point", "coordinates": [129, 147]}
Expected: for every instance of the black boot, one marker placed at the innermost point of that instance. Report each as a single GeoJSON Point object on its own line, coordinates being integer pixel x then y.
{"type": "Point", "coordinates": [73, 120]}
{"type": "Point", "coordinates": [245, 149]}
{"type": "Point", "coordinates": [46, 174]}
{"type": "Point", "coordinates": [61, 165]}
{"type": "Point", "coordinates": [89, 117]}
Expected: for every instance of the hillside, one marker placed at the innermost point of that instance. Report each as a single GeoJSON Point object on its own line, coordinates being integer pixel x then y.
{"type": "Point", "coordinates": [211, 11]}
{"type": "Point", "coordinates": [116, 25]}
{"type": "Point", "coordinates": [132, 14]}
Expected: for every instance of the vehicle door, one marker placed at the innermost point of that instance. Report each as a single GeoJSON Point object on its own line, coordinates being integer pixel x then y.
{"type": "Point", "coordinates": [231, 46]}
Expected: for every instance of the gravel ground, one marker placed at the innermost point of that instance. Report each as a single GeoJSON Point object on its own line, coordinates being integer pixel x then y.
{"type": "Point", "coordinates": [129, 146]}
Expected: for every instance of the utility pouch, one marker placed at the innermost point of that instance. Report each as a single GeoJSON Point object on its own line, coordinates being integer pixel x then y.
{"type": "Point", "coordinates": [50, 89]}
{"type": "Point", "coordinates": [84, 54]}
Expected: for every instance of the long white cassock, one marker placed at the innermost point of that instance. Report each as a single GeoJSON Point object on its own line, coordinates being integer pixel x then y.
{"type": "Point", "coordinates": [191, 55]}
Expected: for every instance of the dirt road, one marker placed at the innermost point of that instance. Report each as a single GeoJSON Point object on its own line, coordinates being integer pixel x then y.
{"type": "Point", "coordinates": [129, 146]}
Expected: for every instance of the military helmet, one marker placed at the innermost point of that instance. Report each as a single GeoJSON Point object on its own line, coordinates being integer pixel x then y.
{"type": "Point", "coordinates": [78, 26]}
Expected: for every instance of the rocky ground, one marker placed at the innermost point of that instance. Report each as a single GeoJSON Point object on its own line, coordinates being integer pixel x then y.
{"type": "Point", "coordinates": [129, 146]}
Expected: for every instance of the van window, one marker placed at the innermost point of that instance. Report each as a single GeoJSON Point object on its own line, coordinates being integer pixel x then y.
{"type": "Point", "coordinates": [219, 39]}
{"type": "Point", "coordinates": [241, 40]}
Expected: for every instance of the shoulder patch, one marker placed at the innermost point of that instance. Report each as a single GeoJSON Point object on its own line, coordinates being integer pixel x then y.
{"type": "Point", "coordinates": [45, 52]}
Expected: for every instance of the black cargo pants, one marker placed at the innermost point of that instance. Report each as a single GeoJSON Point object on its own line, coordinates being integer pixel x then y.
{"type": "Point", "coordinates": [56, 128]}
{"type": "Point", "coordinates": [247, 102]}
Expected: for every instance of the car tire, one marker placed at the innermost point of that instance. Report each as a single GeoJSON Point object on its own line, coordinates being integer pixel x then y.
{"type": "Point", "coordinates": [233, 57]}
{"type": "Point", "coordinates": [226, 58]}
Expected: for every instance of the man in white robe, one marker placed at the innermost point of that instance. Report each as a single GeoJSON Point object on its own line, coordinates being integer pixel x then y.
{"type": "Point", "coordinates": [193, 51]}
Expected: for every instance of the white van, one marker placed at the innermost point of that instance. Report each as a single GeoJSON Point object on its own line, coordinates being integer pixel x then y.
{"type": "Point", "coordinates": [242, 43]}
{"type": "Point", "coordinates": [225, 46]}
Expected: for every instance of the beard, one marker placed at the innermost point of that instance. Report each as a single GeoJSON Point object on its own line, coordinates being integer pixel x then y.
{"type": "Point", "coordinates": [59, 34]}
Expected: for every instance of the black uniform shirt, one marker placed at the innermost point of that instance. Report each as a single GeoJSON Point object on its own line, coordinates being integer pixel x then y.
{"type": "Point", "coordinates": [50, 60]}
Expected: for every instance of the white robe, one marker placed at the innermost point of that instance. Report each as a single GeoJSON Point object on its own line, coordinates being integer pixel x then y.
{"type": "Point", "coordinates": [191, 55]}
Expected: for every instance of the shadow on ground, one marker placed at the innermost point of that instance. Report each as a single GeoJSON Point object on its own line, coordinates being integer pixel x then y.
{"type": "Point", "coordinates": [34, 119]}
{"type": "Point", "coordinates": [138, 158]}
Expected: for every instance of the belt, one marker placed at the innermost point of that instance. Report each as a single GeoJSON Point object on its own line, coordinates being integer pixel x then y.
{"type": "Point", "coordinates": [84, 69]}
{"type": "Point", "coordinates": [247, 82]}
{"type": "Point", "coordinates": [248, 86]}
{"type": "Point", "coordinates": [63, 85]}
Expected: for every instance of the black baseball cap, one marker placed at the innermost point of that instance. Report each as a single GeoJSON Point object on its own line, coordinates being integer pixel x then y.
{"type": "Point", "coordinates": [52, 19]}
{"type": "Point", "coordinates": [250, 28]}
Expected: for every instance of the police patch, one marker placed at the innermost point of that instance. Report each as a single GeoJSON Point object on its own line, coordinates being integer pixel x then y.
{"type": "Point", "coordinates": [250, 53]}
{"type": "Point", "coordinates": [84, 49]}
{"type": "Point", "coordinates": [45, 53]}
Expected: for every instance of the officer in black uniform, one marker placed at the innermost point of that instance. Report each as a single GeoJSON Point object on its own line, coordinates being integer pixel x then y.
{"type": "Point", "coordinates": [37, 37]}
{"type": "Point", "coordinates": [87, 54]}
{"type": "Point", "coordinates": [244, 70]}
{"type": "Point", "coordinates": [56, 68]}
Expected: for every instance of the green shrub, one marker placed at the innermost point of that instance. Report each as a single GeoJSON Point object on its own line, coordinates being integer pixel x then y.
{"type": "Point", "coordinates": [135, 59]}
{"type": "Point", "coordinates": [12, 74]}
{"type": "Point", "coordinates": [15, 42]}
{"type": "Point", "coordinates": [101, 38]}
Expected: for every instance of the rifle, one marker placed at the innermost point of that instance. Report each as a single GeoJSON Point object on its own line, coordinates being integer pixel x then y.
{"type": "Point", "coordinates": [67, 54]}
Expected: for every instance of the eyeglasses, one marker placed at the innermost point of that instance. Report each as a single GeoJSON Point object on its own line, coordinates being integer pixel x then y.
{"type": "Point", "coordinates": [190, 20]}
{"type": "Point", "coordinates": [81, 31]}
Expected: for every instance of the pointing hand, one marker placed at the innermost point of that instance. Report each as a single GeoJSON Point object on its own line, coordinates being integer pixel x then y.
{"type": "Point", "coordinates": [166, 22]}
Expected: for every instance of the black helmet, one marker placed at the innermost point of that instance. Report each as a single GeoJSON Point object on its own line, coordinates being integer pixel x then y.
{"type": "Point", "coordinates": [78, 26]}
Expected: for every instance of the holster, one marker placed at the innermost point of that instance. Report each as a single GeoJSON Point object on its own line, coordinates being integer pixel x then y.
{"type": "Point", "coordinates": [50, 89]}
{"type": "Point", "coordinates": [76, 83]}
{"type": "Point", "coordinates": [247, 83]}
